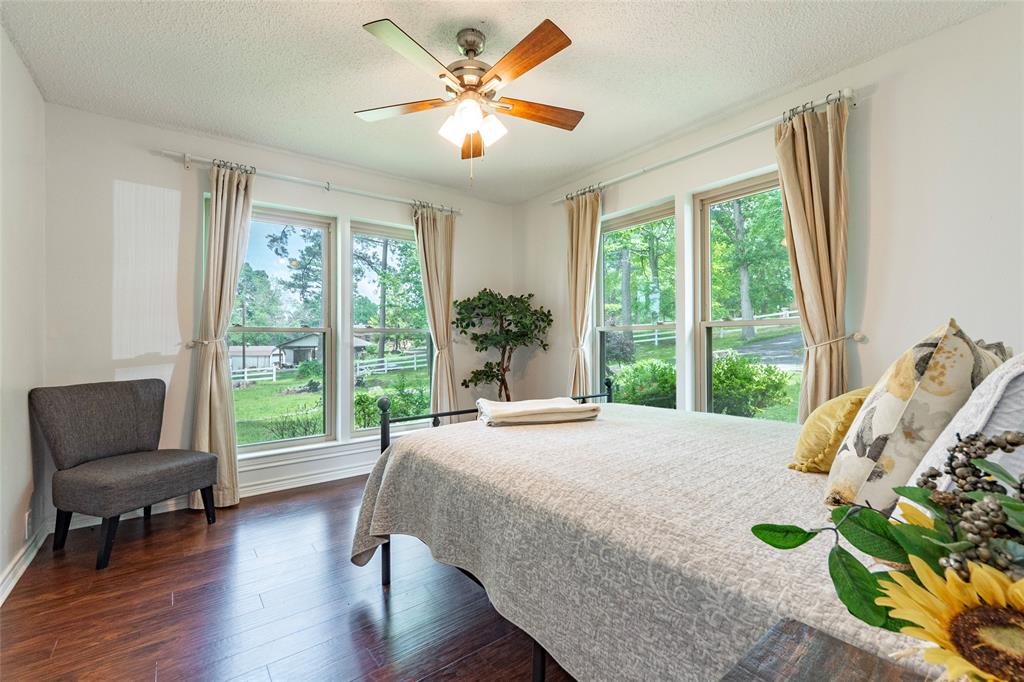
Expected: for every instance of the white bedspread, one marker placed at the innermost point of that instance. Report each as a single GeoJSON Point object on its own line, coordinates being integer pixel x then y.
{"type": "Point", "coordinates": [622, 545]}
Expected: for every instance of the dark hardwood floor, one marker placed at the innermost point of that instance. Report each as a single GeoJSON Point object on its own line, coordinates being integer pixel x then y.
{"type": "Point", "coordinates": [266, 593]}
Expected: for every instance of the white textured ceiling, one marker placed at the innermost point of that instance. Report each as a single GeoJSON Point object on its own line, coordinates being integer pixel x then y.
{"type": "Point", "coordinates": [290, 75]}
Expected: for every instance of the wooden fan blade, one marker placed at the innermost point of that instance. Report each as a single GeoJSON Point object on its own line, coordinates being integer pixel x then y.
{"type": "Point", "coordinates": [558, 117]}
{"type": "Point", "coordinates": [381, 113]}
{"type": "Point", "coordinates": [473, 146]}
{"type": "Point", "coordinates": [402, 43]}
{"type": "Point", "coordinates": [543, 42]}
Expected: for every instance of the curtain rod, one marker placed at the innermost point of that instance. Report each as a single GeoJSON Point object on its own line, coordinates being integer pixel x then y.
{"type": "Point", "coordinates": [845, 93]}
{"type": "Point", "coordinates": [326, 185]}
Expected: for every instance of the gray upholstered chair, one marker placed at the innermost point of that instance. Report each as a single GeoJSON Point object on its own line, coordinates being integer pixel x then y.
{"type": "Point", "coordinates": [104, 439]}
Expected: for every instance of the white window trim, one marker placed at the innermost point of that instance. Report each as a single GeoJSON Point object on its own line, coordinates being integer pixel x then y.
{"type": "Point", "coordinates": [703, 321]}
{"type": "Point", "coordinates": [614, 223]}
{"type": "Point", "coordinates": [347, 416]}
{"type": "Point", "coordinates": [329, 330]}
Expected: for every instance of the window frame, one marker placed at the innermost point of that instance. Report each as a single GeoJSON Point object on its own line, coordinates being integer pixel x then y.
{"type": "Point", "coordinates": [403, 233]}
{"type": "Point", "coordinates": [704, 324]}
{"type": "Point", "coordinates": [626, 221]}
{"type": "Point", "coordinates": [328, 322]}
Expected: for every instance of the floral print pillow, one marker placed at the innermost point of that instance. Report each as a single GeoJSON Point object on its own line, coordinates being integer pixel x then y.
{"type": "Point", "coordinates": [907, 410]}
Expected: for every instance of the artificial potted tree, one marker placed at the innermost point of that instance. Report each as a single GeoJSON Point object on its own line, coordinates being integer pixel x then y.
{"type": "Point", "coordinates": [494, 321]}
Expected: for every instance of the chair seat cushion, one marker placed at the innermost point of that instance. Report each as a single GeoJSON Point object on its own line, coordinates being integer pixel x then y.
{"type": "Point", "coordinates": [116, 485]}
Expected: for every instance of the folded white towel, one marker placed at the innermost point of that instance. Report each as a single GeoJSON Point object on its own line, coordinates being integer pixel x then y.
{"type": "Point", "coordinates": [552, 410]}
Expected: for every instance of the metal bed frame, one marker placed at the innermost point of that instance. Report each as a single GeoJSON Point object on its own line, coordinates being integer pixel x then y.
{"type": "Point", "coordinates": [384, 405]}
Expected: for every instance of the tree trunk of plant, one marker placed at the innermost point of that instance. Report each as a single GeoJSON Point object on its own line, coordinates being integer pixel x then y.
{"type": "Point", "coordinates": [504, 392]}
{"type": "Point", "coordinates": [746, 308]}
{"type": "Point", "coordinates": [383, 302]}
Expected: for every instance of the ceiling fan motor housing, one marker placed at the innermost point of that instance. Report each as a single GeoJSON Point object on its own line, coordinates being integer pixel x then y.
{"type": "Point", "coordinates": [471, 42]}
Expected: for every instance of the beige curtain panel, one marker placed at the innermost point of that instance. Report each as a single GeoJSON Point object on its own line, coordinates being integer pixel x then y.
{"type": "Point", "coordinates": [213, 428]}
{"type": "Point", "coordinates": [584, 216]}
{"type": "Point", "coordinates": [435, 237]}
{"type": "Point", "coordinates": [811, 151]}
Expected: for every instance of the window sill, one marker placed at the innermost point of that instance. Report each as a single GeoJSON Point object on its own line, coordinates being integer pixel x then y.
{"type": "Point", "coordinates": [357, 443]}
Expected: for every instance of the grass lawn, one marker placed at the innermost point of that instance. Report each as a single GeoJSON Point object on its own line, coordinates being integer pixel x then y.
{"type": "Point", "coordinates": [264, 413]}
{"type": "Point", "coordinates": [262, 402]}
{"type": "Point", "coordinates": [788, 410]}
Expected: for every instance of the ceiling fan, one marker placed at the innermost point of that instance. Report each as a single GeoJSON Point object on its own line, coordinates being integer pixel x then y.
{"type": "Point", "coordinates": [472, 86]}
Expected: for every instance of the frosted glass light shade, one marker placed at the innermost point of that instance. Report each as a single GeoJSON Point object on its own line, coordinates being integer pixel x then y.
{"type": "Point", "coordinates": [469, 115]}
{"type": "Point", "coordinates": [492, 130]}
{"type": "Point", "coordinates": [452, 131]}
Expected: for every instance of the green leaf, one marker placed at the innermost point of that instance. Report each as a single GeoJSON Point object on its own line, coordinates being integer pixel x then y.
{"type": "Point", "coordinates": [1014, 549]}
{"type": "Point", "coordinates": [995, 470]}
{"type": "Point", "coordinates": [1015, 519]}
{"type": "Point", "coordinates": [920, 496]}
{"type": "Point", "coordinates": [959, 546]}
{"type": "Point", "coordinates": [869, 531]}
{"type": "Point", "coordinates": [781, 536]}
{"type": "Point", "coordinates": [856, 587]}
{"type": "Point", "coordinates": [923, 543]}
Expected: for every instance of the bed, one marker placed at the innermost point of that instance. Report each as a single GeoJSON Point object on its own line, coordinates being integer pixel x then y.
{"type": "Point", "coordinates": [621, 545]}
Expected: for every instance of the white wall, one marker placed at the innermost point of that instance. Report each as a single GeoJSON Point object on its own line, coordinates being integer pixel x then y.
{"type": "Point", "coordinates": [123, 252]}
{"type": "Point", "coordinates": [935, 183]}
{"type": "Point", "coordinates": [22, 300]}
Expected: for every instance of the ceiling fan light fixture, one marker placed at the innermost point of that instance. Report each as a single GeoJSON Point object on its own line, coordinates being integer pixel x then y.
{"type": "Point", "coordinates": [452, 131]}
{"type": "Point", "coordinates": [491, 129]}
{"type": "Point", "coordinates": [469, 115]}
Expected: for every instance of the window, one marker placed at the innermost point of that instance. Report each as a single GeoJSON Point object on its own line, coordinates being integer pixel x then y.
{"type": "Point", "coordinates": [280, 340]}
{"type": "Point", "coordinates": [749, 344]}
{"type": "Point", "coordinates": [391, 346]}
{"type": "Point", "coordinates": [636, 331]}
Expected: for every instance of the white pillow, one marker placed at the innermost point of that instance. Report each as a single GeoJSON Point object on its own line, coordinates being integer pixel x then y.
{"type": "Point", "coordinates": [996, 405]}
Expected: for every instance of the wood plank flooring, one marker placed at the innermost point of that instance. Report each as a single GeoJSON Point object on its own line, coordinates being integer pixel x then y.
{"type": "Point", "coordinates": [266, 594]}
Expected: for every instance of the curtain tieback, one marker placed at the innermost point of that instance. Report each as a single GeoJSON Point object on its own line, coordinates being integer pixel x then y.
{"type": "Point", "coordinates": [202, 342]}
{"type": "Point", "coordinates": [856, 336]}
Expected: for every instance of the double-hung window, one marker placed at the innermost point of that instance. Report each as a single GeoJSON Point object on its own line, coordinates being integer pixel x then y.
{"type": "Point", "coordinates": [749, 347]}
{"type": "Point", "coordinates": [280, 342]}
{"type": "Point", "coordinates": [635, 312]}
{"type": "Point", "coordinates": [391, 346]}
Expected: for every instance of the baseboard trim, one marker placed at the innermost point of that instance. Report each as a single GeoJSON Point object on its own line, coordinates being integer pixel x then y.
{"type": "Point", "coordinates": [17, 566]}
{"type": "Point", "coordinates": [272, 485]}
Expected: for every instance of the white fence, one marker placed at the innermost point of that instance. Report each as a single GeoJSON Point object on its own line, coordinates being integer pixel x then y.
{"type": "Point", "coordinates": [413, 361]}
{"type": "Point", "coordinates": [655, 336]}
{"type": "Point", "coordinates": [247, 374]}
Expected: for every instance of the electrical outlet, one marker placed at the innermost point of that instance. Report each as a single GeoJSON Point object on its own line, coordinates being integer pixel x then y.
{"type": "Point", "coordinates": [28, 524]}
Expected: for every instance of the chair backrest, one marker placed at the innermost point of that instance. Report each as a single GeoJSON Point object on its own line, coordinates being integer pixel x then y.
{"type": "Point", "coordinates": [91, 421]}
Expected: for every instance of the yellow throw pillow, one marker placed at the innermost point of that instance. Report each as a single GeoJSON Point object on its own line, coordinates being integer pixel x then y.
{"type": "Point", "coordinates": [824, 430]}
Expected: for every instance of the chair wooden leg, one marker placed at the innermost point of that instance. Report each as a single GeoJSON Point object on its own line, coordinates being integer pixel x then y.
{"type": "Point", "coordinates": [107, 532]}
{"type": "Point", "coordinates": [147, 511]}
{"type": "Point", "coordinates": [60, 532]}
{"type": "Point", "coordinates": [207, 495]}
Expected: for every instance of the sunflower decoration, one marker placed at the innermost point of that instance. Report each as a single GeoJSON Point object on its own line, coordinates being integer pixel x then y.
{"type": "Point", "coordinates": [977, 626]}
{"type": "Point", "coordinates": [956, 557]}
